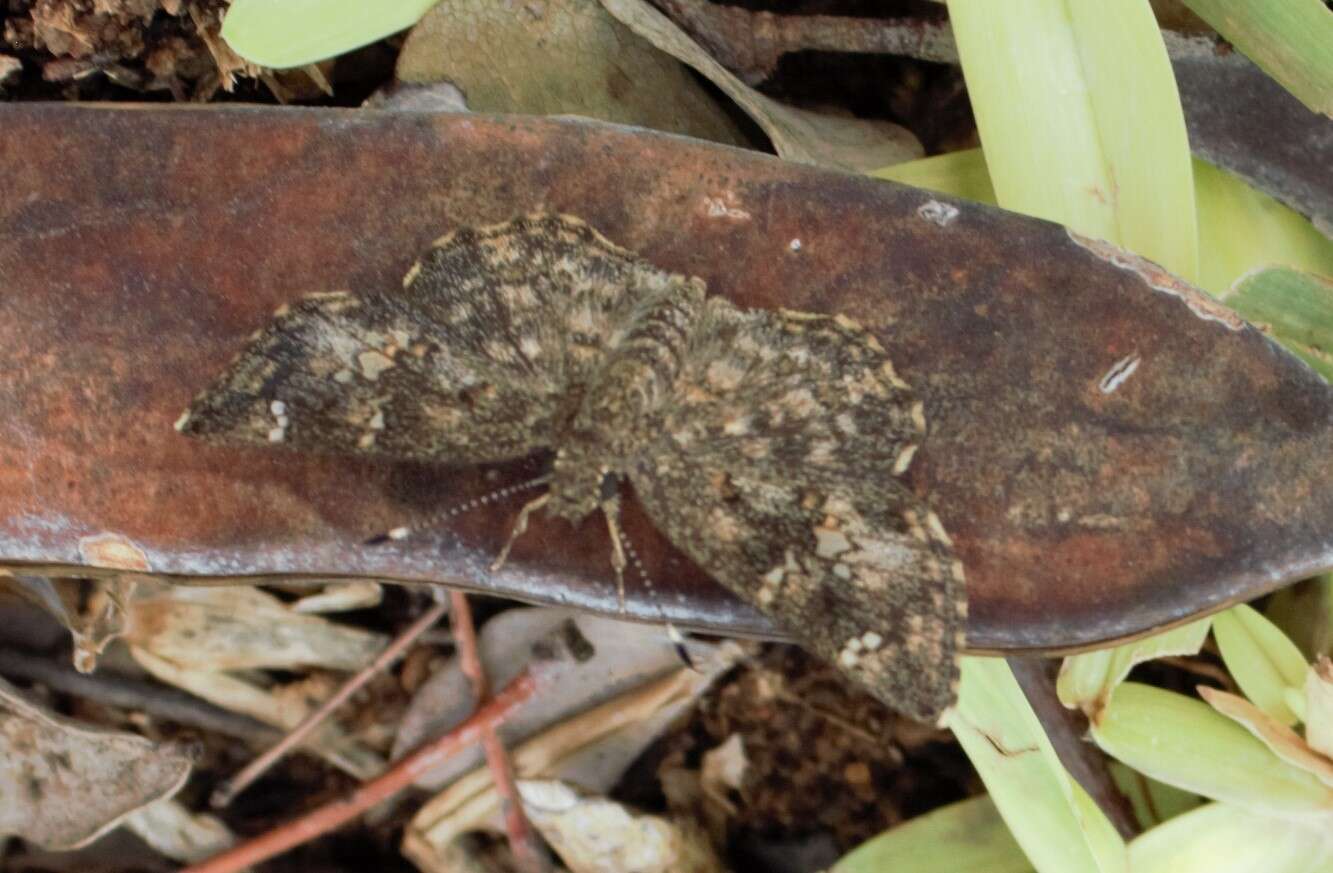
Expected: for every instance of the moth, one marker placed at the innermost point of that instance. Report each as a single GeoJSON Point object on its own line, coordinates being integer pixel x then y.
{"type": "Point", "coordinates": [770, 447]}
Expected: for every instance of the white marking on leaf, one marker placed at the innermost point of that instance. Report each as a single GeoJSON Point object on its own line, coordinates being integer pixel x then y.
{"type": "Point", "coordinates": [939, 213]}
{"type": "Point", "coordinates": [1119, 373]}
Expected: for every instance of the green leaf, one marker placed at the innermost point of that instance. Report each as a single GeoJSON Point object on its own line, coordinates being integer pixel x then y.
{"type": "Point", "coordinates": [1059, 827]}
{"type": "Point", "coordinates": [961, 174]}
{"type": "Point", "coordinates": [1304, 612]}
{"type": "Point", "coordinates": [1296, 306]}
{"type": "Point", "coordinates": [1261, 659]}
{"type": "Point", "coordinates": [1087, 681]}
{"type": "Point", "coordinates": [1183, 742]}
{"type": "Point", "coordinates": [1080, 119]}
{"type": "Point", "coordinates": [1154, 802]}
{"type": "Point", "coordinates": [1219, 838]}
{"type": "Point", "coordinates": [964, 837]}
{"type": "Point", "coordinates": [1319, 707]}
{"type": "Point", "coordinates": [292, 33]}
{"type": "Point", "coordinates": [1242, 229]}
{"type": "Point", "coordinates": [1290, 40]}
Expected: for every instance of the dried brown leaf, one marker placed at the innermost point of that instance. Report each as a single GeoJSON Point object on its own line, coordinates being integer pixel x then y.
{"type": "Point", "coordinates": [559, 57]}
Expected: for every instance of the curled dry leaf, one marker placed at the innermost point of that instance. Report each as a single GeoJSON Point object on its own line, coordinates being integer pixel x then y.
{"type": "Point", "coordinates": [597, 835]}
{"type": "Point", "coordinates": [63, 783]}
{"type": "Point", "coordinates": [559, 57]}
{"type": "Point", "coordinates": [1087, 681]}
{"type": "Point", "coordinates": [797, 134]}
{"type": "Point", "coordinates": [1319, 707]}
{"type": "Point", "coordinates": [92, 610]}
{"type": "Point", "coordinates": [1280, 739]}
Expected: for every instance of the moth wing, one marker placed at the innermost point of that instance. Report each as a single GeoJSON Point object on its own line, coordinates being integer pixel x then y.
{"type": "Point", "coordinates": [773, 395]}
{"type": "Point", "coordinates": [778, 471]}
{"type": "Point", "coordinates": [470, 362]}
{"type": "Point", "coordinates": [862, 577]}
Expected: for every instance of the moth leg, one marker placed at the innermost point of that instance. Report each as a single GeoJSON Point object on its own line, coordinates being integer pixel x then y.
{"type": "Point", "coordinates": [520, 526]}
{"type": "Point", "coordinates": [611, 512]}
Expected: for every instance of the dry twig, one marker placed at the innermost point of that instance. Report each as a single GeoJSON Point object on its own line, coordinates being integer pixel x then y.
{"type": "Point", "coordinates": [399, 776]}
{"type": "Point", "coordinates": [224, 793]}
{"type": "Point", "coordinates": [124, 692]}
{"type": "Point", "coordinates": [750, 44]}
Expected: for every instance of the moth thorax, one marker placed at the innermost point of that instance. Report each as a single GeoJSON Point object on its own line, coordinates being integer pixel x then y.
{"type": "Point", "coordinates": [577, 485]}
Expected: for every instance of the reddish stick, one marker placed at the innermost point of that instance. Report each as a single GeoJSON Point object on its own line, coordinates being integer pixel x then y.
{"type": "Point", "coordinates": [402, 774]}
{"type": "Point", "coordinates": [529, 854]}
{"type": "Point", "coordinates": [224, 793]}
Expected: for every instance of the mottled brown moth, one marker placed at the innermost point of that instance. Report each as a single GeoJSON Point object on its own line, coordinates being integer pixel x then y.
{"type": "Point", "coordinates": [770, 447]}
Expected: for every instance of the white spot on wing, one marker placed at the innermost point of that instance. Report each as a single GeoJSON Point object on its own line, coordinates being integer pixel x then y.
{"type": "Point", "coordinates": [830, 543]}
{"type": "Point", "coordinates": [373, 363]}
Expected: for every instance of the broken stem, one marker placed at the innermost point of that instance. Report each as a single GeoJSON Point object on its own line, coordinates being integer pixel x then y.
{"type": "Point", "coordinates": [228, 790]}
{"type": "Point", "coordinates": [332, 815]}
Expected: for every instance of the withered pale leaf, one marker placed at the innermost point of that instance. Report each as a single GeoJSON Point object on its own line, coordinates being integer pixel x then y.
{"type": "Point", "coordinates": [597, 835]}
{"type": "Point", "coordinates": [340, 597]}
{"type": "Point", "coordinates": [243, 627]}
{"type": "Point", "coordinates": [855, 144]}
{"type": "Point", "coordinates": [63, 783]}
{"type": "Point", "coordinates": [179, 834]}
{"type": "Point", "coordinates": [273, 707]}
{"type": "Point", "coordinates": [1319, 707]}
{"type": "Point", "coordinates": [1280, 739]}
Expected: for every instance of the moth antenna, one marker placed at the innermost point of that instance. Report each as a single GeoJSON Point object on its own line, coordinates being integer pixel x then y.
{"type": "Point", "coordinates": [676, 637]}
{"type": "Point", "coordinates": [435, 518]}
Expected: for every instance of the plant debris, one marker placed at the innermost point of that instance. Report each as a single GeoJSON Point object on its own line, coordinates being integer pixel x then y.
{"type": "Point", "coordinates": [140, 45]}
